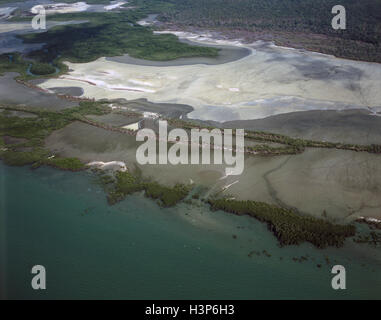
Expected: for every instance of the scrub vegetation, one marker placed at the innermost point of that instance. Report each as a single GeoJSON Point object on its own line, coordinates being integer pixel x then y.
{"type": "Point", "coordinates": [291, 145]}
{"type": "Point", "coordinates": [300, 144]}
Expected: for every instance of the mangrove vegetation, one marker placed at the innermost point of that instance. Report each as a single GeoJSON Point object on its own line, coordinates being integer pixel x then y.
{"type": "Point", "coordinates": [31, 131]}
{"type": "Point", "coordinates": [289, 227]}
{"type": "Point", "coordinates": [127, 183]}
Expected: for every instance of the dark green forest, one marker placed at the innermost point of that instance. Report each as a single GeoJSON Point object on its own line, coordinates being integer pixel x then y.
{"type": "Point", "coordinates": [298, 23]}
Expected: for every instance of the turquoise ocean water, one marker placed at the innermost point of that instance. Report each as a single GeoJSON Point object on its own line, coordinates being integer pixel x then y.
{"type": "Point", "coordinates": [136, 250]}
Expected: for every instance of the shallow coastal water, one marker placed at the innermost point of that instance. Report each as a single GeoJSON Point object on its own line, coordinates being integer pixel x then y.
{"type": "Point", "coordinates": [137, 250]}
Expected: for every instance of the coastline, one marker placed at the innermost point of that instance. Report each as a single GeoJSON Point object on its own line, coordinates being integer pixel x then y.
{"type": "Point", "coordinates": [204, 40]}
{"type": "Point", "coordinates": [308, 199]}
{"type": "Point", "coordinates": [103, 126]}
{"type": "Point", "coordinates": [205, 246]}
{"type": "Point", "coordinates": [115, 129]}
